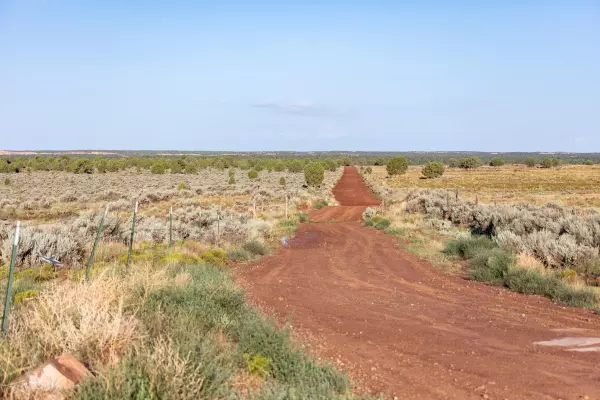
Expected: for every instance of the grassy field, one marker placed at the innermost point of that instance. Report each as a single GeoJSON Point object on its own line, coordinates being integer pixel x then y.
{"type": "Point", "coordinates": [572, 185]}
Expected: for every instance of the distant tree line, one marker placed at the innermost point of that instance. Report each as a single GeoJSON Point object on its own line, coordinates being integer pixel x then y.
{"type": "Point", "coordinates": [159, 165]}
{"type": "Point", "coordinates": [191, 164]}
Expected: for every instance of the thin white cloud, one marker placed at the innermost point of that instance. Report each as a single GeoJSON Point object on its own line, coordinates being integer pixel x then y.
{"type": "Point", "coordinates": [304, 109]}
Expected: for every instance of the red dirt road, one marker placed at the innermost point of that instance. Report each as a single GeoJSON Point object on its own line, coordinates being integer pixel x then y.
{"type": "Point", "coordinates": [404, 329]}
{"type": "Point", "coordinates": [353, 197]}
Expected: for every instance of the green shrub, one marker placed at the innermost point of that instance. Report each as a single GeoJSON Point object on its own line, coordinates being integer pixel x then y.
{"type": "Point", "coordinates": [182, 186]}
{"type": "Point", "coordinates": [231, 180]}
{"type": "Point", "coordinates": [302, 217]}
{"type": "Point", "coordinates": [22, 297]}
{"type": "Point", "coordinates": [396, 231]}
{"type": "Point", "coordinates": [453, 163]}
{"type": "Point", "coordinates": [433, 170]}
{"type": "Point", "coordinates": [567, 274]}
{"type": "Point", "coordinates": [255, 247]}
{"type": "Point", "coordinates": [368, 170]}
{"type": "Point", "coordinates": [469, 246]}
{"type": "Point", "coordinates": [320, 204]}
{"type": "Point", "coordinates": [258, 365]}
{"type": "Point", "coordinates": [470, 163]}
{"type": "Point", "coordinates": [238, 255]}
{"type": "Point", "coordinates": [314, 174]}
{"type": "Point", "coordinates": [253, 174]}
{"type": "Point", "coordinates": [532, 282]}
{"type": "Point", "coordinates": [179, 258]}
{"type": "Point", "coordinates": [158, 168]}
{"type": "Point", "coordinates": [34, 275]}
{"type": "Point", "coordinates": [491, 265]}
{"type": "Point", "coordinates": [287, 224]}
{"type": "Point", "coordinates": [215, 257]}
{"type": "Point", "coordinates": [383, 224]}
{"type": "Point", "coordinates": [531, 162]}
{"type": "Point", "coordinates": [588, 162]}
{"type": "Point", "coordinates": [6, 181]}
{"type": "Point", "coordinates": [549, 162]}
{"type": "Point", "coordinates": [397, 166]}
{"type": "Point", "coordinates": [369, 222]}
{"type": "Point", "coordinates": [295, 166]}
{"type": "Point", "coordinates": [282, 181]}
{"type": "Point", "coordinates": [497, 162]}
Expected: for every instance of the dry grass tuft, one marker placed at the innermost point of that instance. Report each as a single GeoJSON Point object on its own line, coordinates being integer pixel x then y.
{"type": "Point", "coordinates": [93, 320]}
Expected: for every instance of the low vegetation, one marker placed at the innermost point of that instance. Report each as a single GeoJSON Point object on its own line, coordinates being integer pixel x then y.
{"type": "Point", "coordinates": [571, 185]}
{"type": "Point", "coordinates": [397, 166]}
{"type": "Point", "coordinates": [488, 262]}
{"type": "Point", "coordinates": [314, 174]}
{"type": "Point", "coordinates": [162, 332]}
{"type": "Point", "coordinates": [433, 170]}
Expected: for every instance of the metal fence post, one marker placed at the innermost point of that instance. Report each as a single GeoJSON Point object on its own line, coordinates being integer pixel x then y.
{"type": "Point", "coordinates": [11, 269]}
{"type": "Point", "coordinates": [218, 229]}
{"type": "Point", "coordinates": [171, 227]}
{"type": "Point", "coordinates": [91, 260]}
{"type": "Point", "coordinates": [132, 233]}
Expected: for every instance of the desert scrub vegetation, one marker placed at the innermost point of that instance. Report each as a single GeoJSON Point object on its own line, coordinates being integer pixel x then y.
{"type": "Point", "coordinates": [557, 236]}
{"type": "Point", "coordinates": [54, 194]}
{"type": "Point", "coordinates": [170, 332]}
{"type": "Point", "coordinates": [70, 242]}
{"type": "Point", "coordinates": [206, 208]}
{"type": "Point", "coordinates": [488, 262]}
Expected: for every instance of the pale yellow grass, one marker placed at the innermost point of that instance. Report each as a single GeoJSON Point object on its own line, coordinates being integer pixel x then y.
{"type": "Point", "coordinates": [572, 185]}
{"type": "Point", "coordinates": [93, 320]}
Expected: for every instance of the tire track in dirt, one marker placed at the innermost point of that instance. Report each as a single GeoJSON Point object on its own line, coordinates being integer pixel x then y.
{"type": "Point", "coordinates": [402, 328]}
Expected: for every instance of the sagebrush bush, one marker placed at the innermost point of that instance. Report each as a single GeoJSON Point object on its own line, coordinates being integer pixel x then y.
{"type": "Point", "coordinates": [238, 255]}
{"type": "Point", "coordinates": [555, 235]}
{"type": "Point", "coordinates": [369, 212]}
{"type": "Point", "coordinates": [255, 247]}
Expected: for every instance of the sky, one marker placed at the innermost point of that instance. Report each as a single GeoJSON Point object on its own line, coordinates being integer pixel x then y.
{"type": "Point", "coordinates": [300, 75]}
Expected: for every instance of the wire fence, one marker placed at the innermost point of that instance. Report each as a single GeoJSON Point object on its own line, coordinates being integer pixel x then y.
{"type": "Point", "coordinates": [168, 231]}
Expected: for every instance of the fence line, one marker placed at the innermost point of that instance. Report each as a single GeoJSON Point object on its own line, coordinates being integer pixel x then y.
{"type": "Point", "coordinates": [221, 222]}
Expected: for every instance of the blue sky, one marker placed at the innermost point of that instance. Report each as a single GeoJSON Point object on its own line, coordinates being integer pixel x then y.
{"type": "Point", "coordinates": [371, 75]}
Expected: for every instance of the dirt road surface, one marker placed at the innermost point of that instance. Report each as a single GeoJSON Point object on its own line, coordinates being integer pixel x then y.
{"type": "Point", "coordinates": [403, 329]}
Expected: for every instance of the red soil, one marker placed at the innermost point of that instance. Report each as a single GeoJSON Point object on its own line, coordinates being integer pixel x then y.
{"type": "Point", "coordinates": [353, 196]}
{"type": "Point", "coordinates": [402, 328]}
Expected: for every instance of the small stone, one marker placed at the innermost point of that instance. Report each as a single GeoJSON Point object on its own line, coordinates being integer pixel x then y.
{"type": "Point", "coordinates": [485, 396]}
{"type": "Point", "coordinates": [58, 374]}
